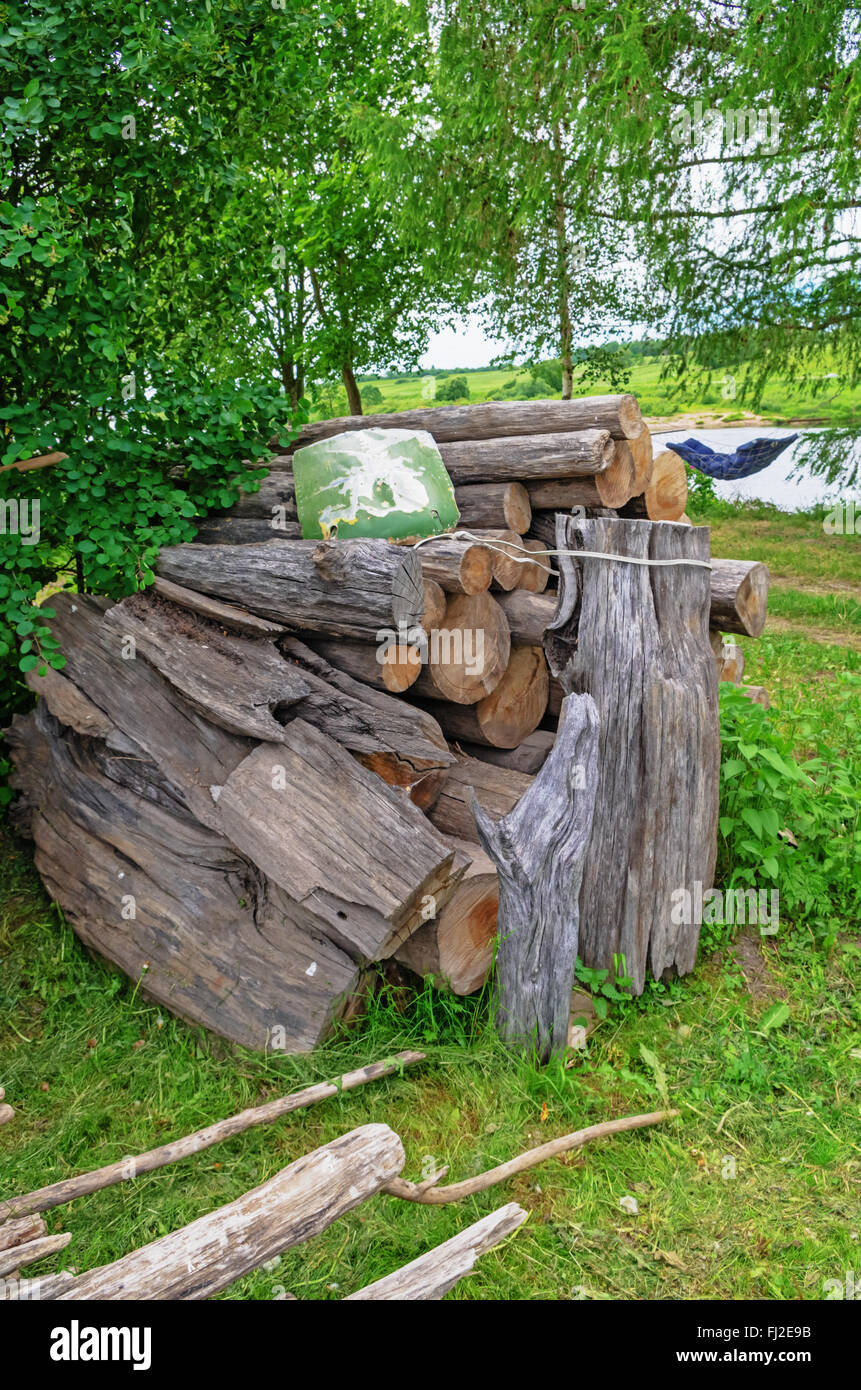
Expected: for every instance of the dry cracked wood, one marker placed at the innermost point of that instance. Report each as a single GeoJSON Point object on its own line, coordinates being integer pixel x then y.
{"type": "Point", "coordinates": [455, 948]}
{"type": "Point", "coordinates": [203, 1258]}
{"type": "Point", "coordinates": [28, 1252]}
{"type": "Point", "coordinates": [635, 637]}
{"type": "Point", "coordinates": [510, 713]}
{"type": "Point", "coordinates": [28, 1227]}
{"type": "Point", "coordinates": [170, 902]}
{"type": "Point", "coordinates": [498, 789]}
{"type": "Point", "coordinates": [432, 1275]}
{"type": "Point", "coordinates": [528, 756]}
{"type": "Point", "coordinates": [620, 415]}
{"type": "Point", "coordinates": [245, 530]}
{"type": "Point", "coordinates": [225, 614]}
{"type": "Point", "coordinates": [335, 588]}
{"type": "Point", "coordinates": [337, 839]}
{"type": "Point", "coordinates": [538, 849]}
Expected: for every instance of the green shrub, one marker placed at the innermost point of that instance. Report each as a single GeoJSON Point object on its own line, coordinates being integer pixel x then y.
{"type": "Point", "coordinates": [455, 388]}
{"type": "Point", "coordinates": [371, 395]}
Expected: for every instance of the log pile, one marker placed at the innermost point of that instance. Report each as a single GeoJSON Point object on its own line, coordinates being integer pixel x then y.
{"type": "Point", "coordinates": [254, 781]}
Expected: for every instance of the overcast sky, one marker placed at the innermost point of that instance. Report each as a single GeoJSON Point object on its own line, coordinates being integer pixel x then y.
{"type": "Point", "coordinates": [466, 346]}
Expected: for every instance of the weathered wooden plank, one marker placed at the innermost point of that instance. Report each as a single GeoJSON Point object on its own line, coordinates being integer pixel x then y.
{"type": "Point", "coordinates": [206, 1256]}
{"type": "Point", "coordinates": [538, 849]}
{"type": "Point", "coordinates": [432, 1275]}
{"type": "Point", "coordinates": [635, 637]}
{"type": "Point", "coordinates": [336, 588]}
{"type": "Point", "coordinates": [334, 836]}
{"type": "Point", "coordinates": [170, 902]}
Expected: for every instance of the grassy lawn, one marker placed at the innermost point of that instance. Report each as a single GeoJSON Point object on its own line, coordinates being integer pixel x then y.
{"type": "Point", "coordinates": [753, 1192]}
{"type": "Point", "coordinates": [782, 402]}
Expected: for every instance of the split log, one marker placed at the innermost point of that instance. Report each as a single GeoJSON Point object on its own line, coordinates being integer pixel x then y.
{"type": "Point", "coordinates": [245, 530]}
{"type": "Point", "coordinates": [507, 558]}
{"type": "Point", "coordinates": [67, 1189]}
{"type": "Point", "coordinates": [498, 789]}
{"type": "Point", "coordinates": [394, 670]}
{"type": "Point", "coordinates": [458, 567]}
{"type": "Point", "coordinates": [373, 724]}
{"type": "Point", "coordinates": [539, 849]}
{"type": "Point", "coordinates": [529, 615]}
{"type": "Point", "coordinates": [30, 1251]}
{"type": "Point", "coordinates": [609, 488]}
{"type": "Point", "coordinates": [635, 637]}
{"type": "Point", "coordinates": [535, 576]}
{"type": "Point", "coordinates": [201, 1259]}
{"type": "Point", "coordinates": [529, 756]}
{"type": "Point", "coordinates": [336, 588]}
{"type": "Point", "coordinates": [620, 415]}
{"type": "Point", "coordinates": [666, 496]}
{"type": "Point", "coordinates": [373, 859]}
{"type": "Point", "coordinates": [495, 506]}
{"type": "Point", "coordinates": [739, 596]}
{"type": "Point", "coordinates": [240, 684]}
{"type": "Point", "coordinates": [507, 716]}
{"type": "Point", "coordinates": [225, 614]}
{"type": "Point", "coordinates": [455, 948]}
{"type": "Point", "coordinates": [469, 653]}
{"type": "Point", "coordinates": [432, 1275]}
{"type": "Point", "coordinates": [171, 903]}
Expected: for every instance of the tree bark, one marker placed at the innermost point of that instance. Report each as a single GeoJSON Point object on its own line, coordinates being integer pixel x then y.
{"type": "Point", "coordinates": [636, 638]}
{"type": "Point", "coordinates": [539, 849]}
{"type": "Point", "coordinates": [354, 398]}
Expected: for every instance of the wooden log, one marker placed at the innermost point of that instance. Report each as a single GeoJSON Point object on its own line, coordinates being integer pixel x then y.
{"type": "Point", "coordinates": [275, 499]}
{"type": "Point", "coordinates": [642, 453]}
{"type": "Point", "coordinates": [395, 670]}
{"type": "Point", "coordinates": [529, 756]}
{"type": "Point", "coordinates": [371, 724]}
{"type": "Point", "coordinates": [201, 1259]}
{"type": "Point", "coordinates": [620, 415]}
{"type": "Point", "coordinates": [432, 1275]}
{"type": "Point", "coordinates": [469, 653]}
{"type": "Point", "coordinates": [730, 664]}
{"type": "Point", "coordinates": [520, 458]}
{"type": "Point", "coordinates": [20, 1230]}
{"type": "Point", "coordinates": [169, 902]}
{"type": "Point", "coordinates": [498, 788]}
{"type": "Point", "coordinates": [336, 588]}
{"type": "Point", "coordinates": [239, 683]}
{"type": "Point", "coordinates": [457, 566]}
{"type": "Point", "coordinates": [529, 615]}
{"type": "Point", "coordinates": [739, 596]}
{"type": "Point", "coordinates": [67, 1189]}
{"type": "Point", "coordinates": [374, 859]}
{"type": "Point", "coordinates": [635, 637]}
{"type": "Point", "coordinates": [68, 704]}
{"type": "Point", "coordinates": [27, 1253]}
{"type": "Point", "coordinates": [666, 496]}
{"type": "Point", "coordinates": [507, 557]}
{"type": "Point", "coordinates": [245, 530]}
{"type": "Point", "coordinates": [757, 693]}
{"type": "Point", "coordinates": [609, 488]}
{"type": "Point", "coordinates": [225, 614]}
{"type": "Point", "coordinates": [539, 849]}
{"type": "Point", "coordinates": [510, 714]}
{"type": "Point", "coordinates": [455, 948]}
{"type": "Point", "coordinates": [535, 576]}
{"type": "Point", "coordinates": [494, 506]}
{"type": "Point", "coordinates": [435, 602]}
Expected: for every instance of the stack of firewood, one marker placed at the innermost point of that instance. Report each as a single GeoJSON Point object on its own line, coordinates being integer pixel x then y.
{"type": "Point", "coordinates": [254, 780]}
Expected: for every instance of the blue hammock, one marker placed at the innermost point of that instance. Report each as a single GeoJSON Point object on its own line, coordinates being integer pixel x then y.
{"type": "Point", "coordinates": [748, 458]}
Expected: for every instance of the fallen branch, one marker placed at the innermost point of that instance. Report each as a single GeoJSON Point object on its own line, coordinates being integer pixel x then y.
{"type": "Point", "coordinates": [428, 1194]}
{"type": "Point", "coordinates": [39, 461]}
{"type": "Point", "coordinates": [59, 1192]}
{"type": "Point", "coordinates": [32, 1250]}
{"type": "Point", "coordinates": [433, 1274]}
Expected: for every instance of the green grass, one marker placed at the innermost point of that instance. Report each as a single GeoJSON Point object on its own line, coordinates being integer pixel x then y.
{"type": "Point", "coordinates": [753, 1192]}
{"type": "Point", "coordinates": [783, 401]}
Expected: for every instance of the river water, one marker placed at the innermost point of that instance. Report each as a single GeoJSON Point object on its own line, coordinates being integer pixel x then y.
{"type": "Point", "coordinates": [773, 484]}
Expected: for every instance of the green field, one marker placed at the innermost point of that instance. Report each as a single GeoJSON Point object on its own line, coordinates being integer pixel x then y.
{"type": "Point", "coordinates": [782, 402]}
{"type": "Point", "coordinates": [753, 1192]}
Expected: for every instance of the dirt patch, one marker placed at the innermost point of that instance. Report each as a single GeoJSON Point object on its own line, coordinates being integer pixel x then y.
{"type": "Point", "coordinates": [831, 637]}
{"type": "Point", "coordinates": [748, 950]}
